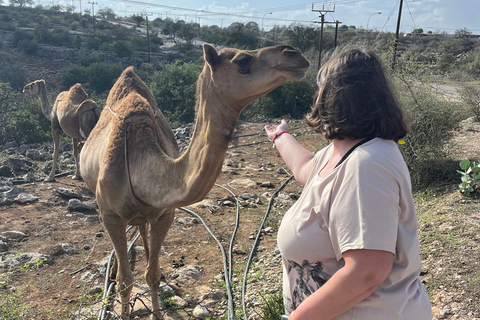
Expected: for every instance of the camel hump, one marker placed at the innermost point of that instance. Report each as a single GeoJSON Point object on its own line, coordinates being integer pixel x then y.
{"type": "Point", "coordinates": [127, 83]}
{"type": "Point", "coordinates": [77, 94]}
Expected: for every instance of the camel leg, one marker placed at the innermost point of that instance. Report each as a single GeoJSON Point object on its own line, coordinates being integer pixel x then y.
{"type": "Point", "coordinates": [158, 233]}
{"type": "Point", "coordinates": [56, 146]}
{"type": "Point", "coordinates": [124, 279]}
{"type": "Point", "coordinates": [144, 234]}
{"type": "Point", "coordinates": [77, 175]}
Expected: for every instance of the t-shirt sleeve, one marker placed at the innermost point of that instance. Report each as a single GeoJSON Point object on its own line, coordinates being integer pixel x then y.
{"type": "Point", "coordinates": [365, 208]}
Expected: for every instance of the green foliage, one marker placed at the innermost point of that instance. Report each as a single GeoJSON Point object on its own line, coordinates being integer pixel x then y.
{"type": "Point", "coordinates": [433, 120]}
{"type": "Point", "coordinates": [292, 98]}
{"type": "Point", "coordinates": [11, 72]}
{"type": "Point", "coordinates": [470, 176]}
{"type": "Point", "coordinates": [97, 77]}
{"type": "Point", "coordinates": [272, 308]}
{"type": "Point", "coordinates": [23, 123]}
{"type": "Point", "coordinates": [174, 90]}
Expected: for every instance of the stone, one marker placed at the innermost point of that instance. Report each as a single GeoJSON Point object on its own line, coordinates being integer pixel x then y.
{"type": "Point", "coordinates": [200, 312]}
{"type": "Point", "coordinates": [67, 193]}
{"type": "Point", "coordinates": [15, 236]}
{"type": "Point", "coordinates": [84, 206]}
{"type": "Point", "coordinates": [24, 198]}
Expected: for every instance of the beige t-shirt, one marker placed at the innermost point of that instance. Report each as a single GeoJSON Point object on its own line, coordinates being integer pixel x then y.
{"type": "Point", "coordinates": [365, 203]}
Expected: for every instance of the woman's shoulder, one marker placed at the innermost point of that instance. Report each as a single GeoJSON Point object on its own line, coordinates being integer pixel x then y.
{"type": "Point", "coordinates": [379, 152]}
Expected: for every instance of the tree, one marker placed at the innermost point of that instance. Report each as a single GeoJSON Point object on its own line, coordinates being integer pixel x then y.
{"type": "Point", "coordinates": [301, 37]}
{"type": "Point", "coordinates": [175, 87]}
{"type": "Point", "coordinates": [138, 19]}
{"type": "Point", "coordinates": [417, 31]}
{"type": "Point", "coordinates": [21, 3]}
{"type": "Point", "coordinates": [106, 13]}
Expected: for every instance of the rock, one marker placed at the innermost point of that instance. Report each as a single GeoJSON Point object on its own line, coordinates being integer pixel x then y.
{"type": "Point", "coordinates": [84, 206]}
{"type": "Point", "coordinates": [267, 184]}
{"type": "Point", "coordinates": [3, 246]}
{"type": "Point", "coordinates": [187, 220]}
{"type": "Point", "coordinates": [281, 171]}
{"type": "Point", "coordinates": [30, 260]}
{"type": "Point", "coordinates": [188, 274]}
{"type": "Point", "coordinates": [67, 193]}
{"type": "Point", "coordinates": [165, 291]}
{"type": "Point", "coordinates": [24, 198]}
{"type": "Point", "coordinates": [200, 312]}
{"type": "Point", "coordinates": [179, 301]}
{"type": "Point", "coordinates": [12, 193]}
{"type": "Point", "coordinates": [216, 295]}
{"type": "Point", "coordinates": [6, 171]}
{"type": "Point", "coordinates": [442, 314]}
{"type": "Point", "coordinates": [246, 183]}
{"type": "Point", "coordinates": [14, 236]}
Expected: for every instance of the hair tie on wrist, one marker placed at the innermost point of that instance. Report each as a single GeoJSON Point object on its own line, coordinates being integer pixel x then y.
{"type": "Point", "coordinates": [278, 134]}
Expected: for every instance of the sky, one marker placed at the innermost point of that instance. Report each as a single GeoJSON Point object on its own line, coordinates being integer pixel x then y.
{"type": "Point", "coordinates": [381, 15]}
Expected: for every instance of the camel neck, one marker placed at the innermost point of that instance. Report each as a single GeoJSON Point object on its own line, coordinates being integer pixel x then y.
{"type": "Point", "coordinates": [45, 104]}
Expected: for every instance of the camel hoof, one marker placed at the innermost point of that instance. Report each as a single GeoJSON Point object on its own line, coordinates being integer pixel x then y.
{"type": "Point", "coordinates": [77, 178]}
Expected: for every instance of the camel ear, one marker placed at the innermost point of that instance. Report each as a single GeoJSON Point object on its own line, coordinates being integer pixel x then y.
{"type": "Point", "coordinates": [210, 55]}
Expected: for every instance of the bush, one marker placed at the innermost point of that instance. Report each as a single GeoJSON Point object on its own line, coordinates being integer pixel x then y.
{"type": "Point", "coordinates": [23, 123]}
{"type": "Point", "coordinates": [292, 98]}
{"type": "Point", "coordinates": [433, 119]}
{"type": "Point", "coordinates": [97, 77]}
{"type": "Point", "coordinates": [174, 90]}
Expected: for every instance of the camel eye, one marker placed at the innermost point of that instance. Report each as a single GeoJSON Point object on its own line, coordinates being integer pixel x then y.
{"type": "Point", "coordinates": [243, 64]}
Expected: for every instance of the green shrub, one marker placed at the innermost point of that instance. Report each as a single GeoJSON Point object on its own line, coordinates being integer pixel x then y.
{"type": "Point", "coordinates": [97, 77]}
{"type": "Point", "coordinates": [433, 119]}
{"type": "Point", "coordinates": [174, 90]}
{"type": "Point", "coordinates": [470, 176]}
{"type": "Point", "coordinates": [23, 123]}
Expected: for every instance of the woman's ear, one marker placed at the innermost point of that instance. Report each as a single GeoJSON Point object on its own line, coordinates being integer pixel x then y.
{"type": "Point", "coordinates": [210, 55]}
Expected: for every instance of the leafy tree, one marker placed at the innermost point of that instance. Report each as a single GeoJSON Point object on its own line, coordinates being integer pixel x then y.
{"type": "Point", "coordinates": [97, 77]}
{"type": "Point", "coordinates": [174, 90]}
{"type": "Point", "coordinates": [187, 32]}
{"type": "Point", "coordinates": [122, 49]}
{"type": "Point", "coordinates": [244, 36]}
{"type": "Point", "coordinates": [21, 3]}
{"type": "Point", "coordinates": [301, 37]}
{"type": "Point", "coordinates": [21, 123]}
{"type": "Point", "coordinates": [292, 98]}
{"type": "Point", "coordinates": [138, 19]}
{"type": "Point", "coordinates": [11, 73]}
{"type": "Point", "coordinates": [106, 13]}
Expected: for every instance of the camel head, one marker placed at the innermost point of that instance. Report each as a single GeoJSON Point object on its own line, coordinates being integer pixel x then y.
{"type": "Point", "coordinates": [240, 76]}
{"type": "Point", "coordinates": [33, 87]}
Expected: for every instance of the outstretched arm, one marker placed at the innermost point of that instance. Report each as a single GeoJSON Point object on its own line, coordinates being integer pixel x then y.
{"type": "Point", "coordinates": [297, 158]}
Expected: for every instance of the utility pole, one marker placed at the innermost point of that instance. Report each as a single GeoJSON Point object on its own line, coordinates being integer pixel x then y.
{"type": "Point", "coordinates": [93, 13]}
{"type": "Point", "coordinates": [146, 14]}
{"type": "Point", "coordinates": [395, 43]}
{"type": "Point", "coordinates": [336, 33]}
{"type": "Point", "coordinates": [322, 13]}
{"type": "Point", "coordinates": [80, 7]}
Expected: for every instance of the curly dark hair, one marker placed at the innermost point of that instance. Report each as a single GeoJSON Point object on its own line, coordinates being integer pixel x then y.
{"type": "Point", "coordinates": [356, 99]}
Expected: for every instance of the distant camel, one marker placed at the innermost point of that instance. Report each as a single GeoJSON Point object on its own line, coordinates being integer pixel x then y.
{"type": "Point", "coordinates": [131, 160]}
{"type": "Point", "coordinates": [73, 113]}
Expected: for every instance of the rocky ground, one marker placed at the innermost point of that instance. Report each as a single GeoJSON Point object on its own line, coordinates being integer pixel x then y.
{"type": "Point", "coordinates": [54, 249]}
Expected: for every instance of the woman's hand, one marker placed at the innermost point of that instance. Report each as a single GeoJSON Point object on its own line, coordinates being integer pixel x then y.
{"type": "Point", "coordinates": [272, 130]}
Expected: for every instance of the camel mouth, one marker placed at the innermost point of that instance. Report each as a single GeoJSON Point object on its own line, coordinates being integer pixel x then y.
{"type": "Point", "coordinates": [294, 73]}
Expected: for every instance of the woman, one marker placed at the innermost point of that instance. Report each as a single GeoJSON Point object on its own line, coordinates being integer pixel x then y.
{"type": "Point", "coordinates": [350, 244]}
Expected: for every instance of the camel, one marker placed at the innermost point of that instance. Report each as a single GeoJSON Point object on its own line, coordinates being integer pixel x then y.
{"type": "Point", "coordinates": [73, 113]}
{"type": "Point", "coordinates": [131, 160]}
